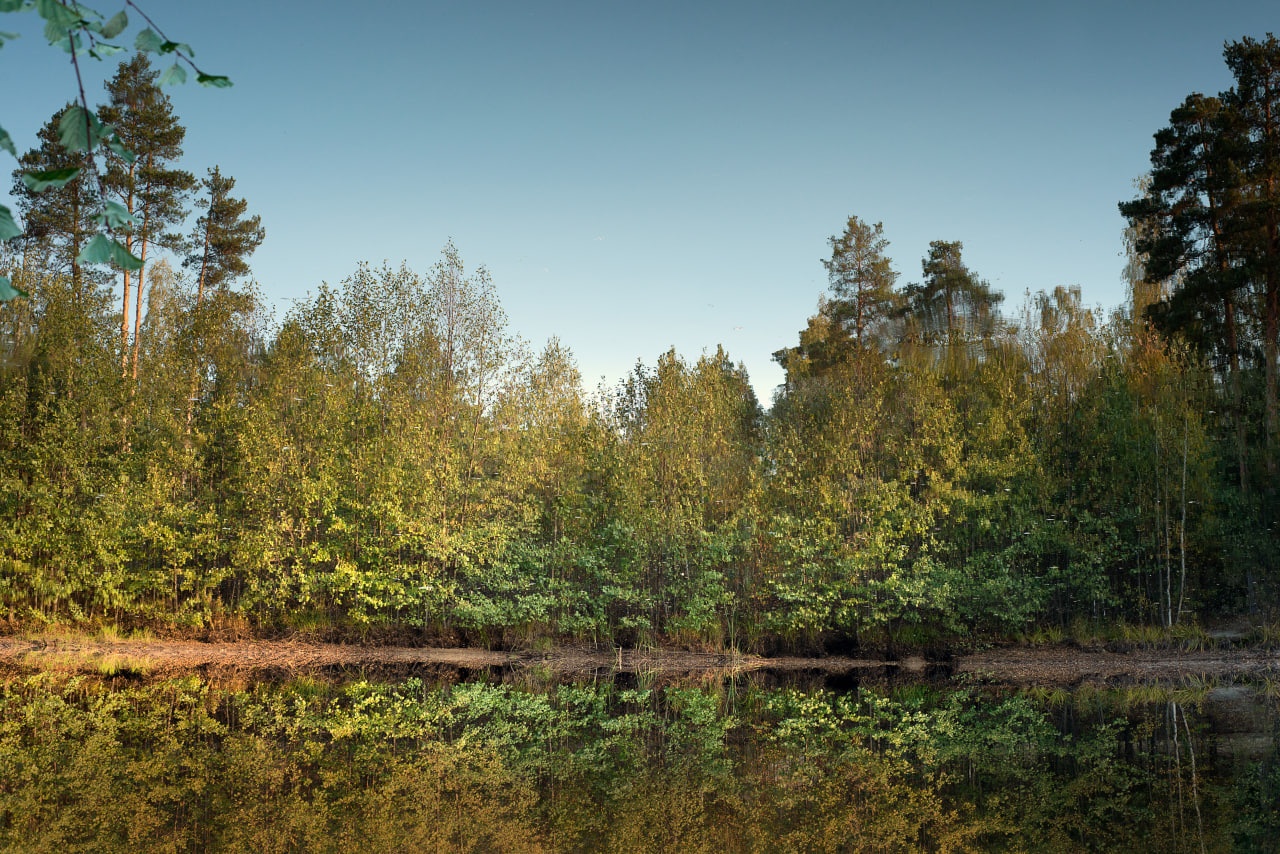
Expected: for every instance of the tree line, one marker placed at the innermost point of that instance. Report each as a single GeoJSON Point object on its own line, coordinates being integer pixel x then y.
{"type": "Point", "coordinates": [183, 764]}
{"type": "Point", "coordinates": [388, 456]}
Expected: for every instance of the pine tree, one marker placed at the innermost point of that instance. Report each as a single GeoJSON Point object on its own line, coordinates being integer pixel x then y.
{"type": "Point", "coordinates": [1211, 224]}
{"type": "Point", "coordinates": [952, 306]}
{"type": "Point", "coordinates": [1255, 105]}
{"type": "Point", "coordinates": [1186, 225]}
{"type": "Point", "coordinates": [152, 191]}
{"type": "Point", "coordinates": [861, 302]}
{"type": "Point", "coordinates": [223, 237]}
{"type": "Point", "coordinates": [861, 279]}
{"type": "Point", "coordinates": [57, 221]}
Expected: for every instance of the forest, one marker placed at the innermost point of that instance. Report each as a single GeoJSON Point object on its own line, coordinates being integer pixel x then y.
{"type": "Point", "coordinates": [389, 460]}
{"type": "Point", "coordinates": [184, 765]}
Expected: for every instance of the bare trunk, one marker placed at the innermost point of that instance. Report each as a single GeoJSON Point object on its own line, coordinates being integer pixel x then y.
{"type": "Point", "coordinates": [1195, 783]}
{"type": "Point", "coordinates": [124, 309]}
{"type": "Point", "coordinates": [1233, 344]}
{"type": "Point", "coordinates": [1270, 345]}
{"type": "Point", "coordinates": [1237, 397]}
{"type": "Point", "coordinates": [204, 268]}
{"type": "Point", "coordinates": [195, 371]}
{"type": "Point", "coordinates": [1182, 527]}
{"type": "Point", "coordinates": [1272, 279]}
{"type": "Point", "coordinates": [1165, 572]}
{"type": "Point", "coordinates": [1168, 570]}
{"type": "Point", "coordinates": [124, 322]}
{"type": "Point", "coordinates": [137, 317]}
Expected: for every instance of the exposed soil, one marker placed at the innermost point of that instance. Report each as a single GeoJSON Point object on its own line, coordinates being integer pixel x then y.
{"type": "Point", "coordinates": [1020, 665]}
{"type": "Point", "coordinates": [1068, 666]}
{"type": "Point", "coordinates": [165, 657]}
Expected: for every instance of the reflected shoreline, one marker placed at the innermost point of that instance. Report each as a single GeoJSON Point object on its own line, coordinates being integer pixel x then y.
{"type": "Point", "coordinates": [1012, 665]}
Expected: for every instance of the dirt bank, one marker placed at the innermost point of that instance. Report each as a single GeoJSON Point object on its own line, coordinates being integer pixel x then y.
{"type": "Point", "coordinates": [163, 657]}
{"type": "Point", "coordinates": [1068, 666]}
{"type": "Point", "coordinates": [1042, 665]}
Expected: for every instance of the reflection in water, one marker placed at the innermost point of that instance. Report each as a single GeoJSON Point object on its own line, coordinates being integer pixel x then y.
{"type": "Point", "coordinates": [746, 765]}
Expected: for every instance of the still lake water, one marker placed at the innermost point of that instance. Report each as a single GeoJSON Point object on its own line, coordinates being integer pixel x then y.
{"type": "Point", "coordinates": [523, 761]}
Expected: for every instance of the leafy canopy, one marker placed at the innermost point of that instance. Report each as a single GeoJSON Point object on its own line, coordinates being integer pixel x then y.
{"type": "Point", "coordinates": [81, 31]}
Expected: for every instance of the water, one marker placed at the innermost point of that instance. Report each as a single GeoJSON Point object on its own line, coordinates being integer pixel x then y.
{"type": "Point", "coordinates": [523, 761]}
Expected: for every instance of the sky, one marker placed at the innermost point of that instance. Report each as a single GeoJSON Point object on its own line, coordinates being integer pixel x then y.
{"type": "Point", "coordinates": [642, 176]}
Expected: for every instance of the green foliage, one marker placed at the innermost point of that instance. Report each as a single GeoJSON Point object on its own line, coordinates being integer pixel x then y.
{"type": "Point", "coordinates": [81, 130]}
{"type": "Point", "coordinates": [1205, 230]}
{"type": "Point", "coordinates": [187, 765]}
{"type": "Point", "coordinates": [102, 249]}
{"type": "Point", "coordinates": [224, 237]}
{"type": "Point", "coordinates": [390, 459]}
{"type": "Point", "coordinates": [78, 29]}
{"type": "Point", "coordinates": [174, 74]}
{"type": "Point", "coordinates": [39, 181]}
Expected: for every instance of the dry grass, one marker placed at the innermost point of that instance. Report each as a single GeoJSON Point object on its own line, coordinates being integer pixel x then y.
{"type": "Point", "coordinates": [1190, 690]}
{"type": "Point", "coordinates": [1267, 634]}
{"type": "Point", "coordinates": [96, 661]}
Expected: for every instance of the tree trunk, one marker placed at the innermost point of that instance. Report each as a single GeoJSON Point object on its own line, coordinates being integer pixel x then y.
{"type": "Point", "coordinates": [124, 310]}
{"type": "Point", "coordinates": [195, 371]}
{"type": "Point", "coordinates": [1182, 526]}
{"type": "Point", "coordinates": [137, 317]}
{"type": "Point", "coordinates": [1237, 397]}
{"type": "Point", "coordinates": [124, 320]}
{"type": "Point", "coordinates": [1269, 348]}
{"type": "Point", "coordinates": [1272, 279]}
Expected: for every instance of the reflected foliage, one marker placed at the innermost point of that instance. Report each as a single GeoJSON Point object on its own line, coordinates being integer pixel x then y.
{"type": "Point", "coordinates": [315, 766]}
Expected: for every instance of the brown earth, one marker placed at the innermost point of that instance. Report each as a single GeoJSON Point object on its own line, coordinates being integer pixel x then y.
{"type": "Point", "coordinates": [170, 657]}
{"type": "Point", "coordinates": [1068, 666]}
{"type": "Point", "coordinates": [1019, 665]}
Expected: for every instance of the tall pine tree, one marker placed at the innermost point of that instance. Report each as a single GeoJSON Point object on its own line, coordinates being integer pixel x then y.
{"type": "Point", "coordinates": [223, 240]}
{"type": "Point", "coordinates": [58, 221]}
{"type": "Point", "coordinates": [861, 279]}
{"type": "Point", "coordinates": [1255, 104]}
{"type": "Point", "coordinates": [150, 188]}
{"type": "Point", "coordinates": [224, 237]}
{"type": "Point", "coordinates": [952, 306]}
{"type": "Point", "coordinates": [1187, 225]}
{"type": "Point", "coordinates": [1211, 225]}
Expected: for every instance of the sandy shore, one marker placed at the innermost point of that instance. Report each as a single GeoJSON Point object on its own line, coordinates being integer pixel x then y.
{"type": "Point", "coordinates": [1040, 665]}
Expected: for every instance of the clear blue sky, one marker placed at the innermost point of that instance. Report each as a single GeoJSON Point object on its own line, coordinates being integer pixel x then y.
{"type": "Point", "coordinates": [638, 176]}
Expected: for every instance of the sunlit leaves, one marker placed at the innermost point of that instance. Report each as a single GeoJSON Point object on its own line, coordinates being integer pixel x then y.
{"type": "Point", "coordinates": [216, 81]}
{"type": "Point", "coordinates": [115, 216]}
{"type": "Point", "coordinates": [148, 42]}
{"type": "Point", "coordinates": [8, 228]}
{"type": "Point", "coordinates": [174, 74]}
{"type": "Point", "coordinates": [103, 250]}
{"type": "Point", "coordinates": [115, 25]}
{"type": "Point", "coordinates": [53, 178]}
{"type": "Point", "coordinates": [60, 18]}
{"type": "Point", "coordinates": [8, 291]}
